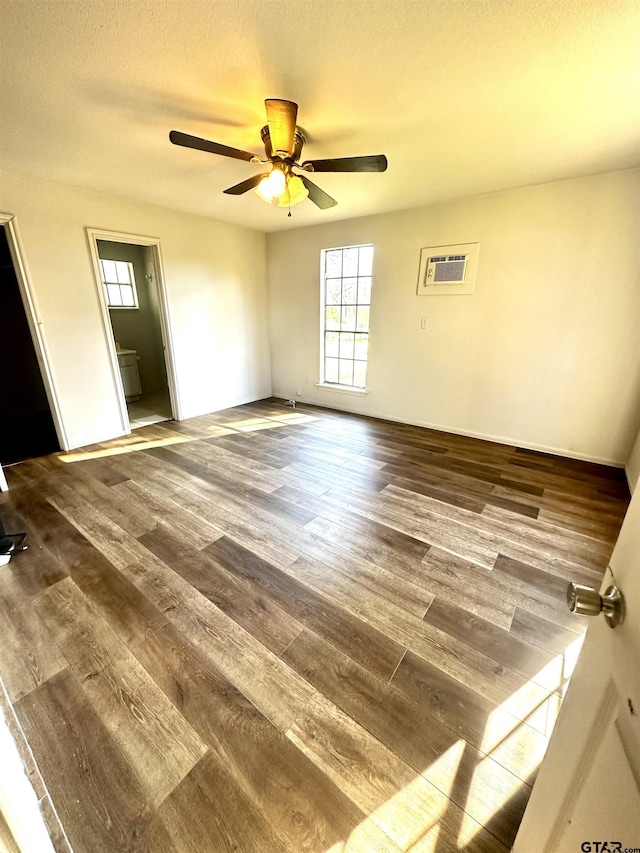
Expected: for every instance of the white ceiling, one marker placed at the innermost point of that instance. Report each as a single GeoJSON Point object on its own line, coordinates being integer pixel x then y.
{"type": "Point", "coordinates": [463, 96]}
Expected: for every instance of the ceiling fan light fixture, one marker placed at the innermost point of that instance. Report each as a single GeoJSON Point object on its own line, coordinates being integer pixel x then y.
{"type": "Point", "coordinates": [273, 185]}
{"type": "Point", "coordinates": [294, 193]}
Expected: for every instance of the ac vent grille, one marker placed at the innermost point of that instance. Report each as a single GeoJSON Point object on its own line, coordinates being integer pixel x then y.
{"type": "Point", "coordinates": [448, 269]}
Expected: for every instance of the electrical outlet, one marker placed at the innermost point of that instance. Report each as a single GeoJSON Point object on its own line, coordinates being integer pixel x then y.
{"type": "Point", "coordinates": [298, 393]}
{"type": "Point", "coordinates": [424, 322]}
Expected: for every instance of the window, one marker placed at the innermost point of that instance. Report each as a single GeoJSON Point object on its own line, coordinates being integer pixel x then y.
{"type": "Point", "coordinates": [346, 299]}
{"type": "Point", "coordinates": [119, 284]}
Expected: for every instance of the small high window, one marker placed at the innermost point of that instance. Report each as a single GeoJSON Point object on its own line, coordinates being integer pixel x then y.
{"type": "Point", "coordinates": [346, 300]}
{"type": "Point", "coordinates": [119, 284]}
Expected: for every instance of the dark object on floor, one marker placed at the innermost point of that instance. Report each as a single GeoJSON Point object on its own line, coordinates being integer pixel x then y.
{"type": "Point", "coordinates": [11, 543]}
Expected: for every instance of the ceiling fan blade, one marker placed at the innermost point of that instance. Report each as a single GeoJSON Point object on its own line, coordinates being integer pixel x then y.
{"type": "Point", "coordinates": [373, 163]}
{"type": "Point", "coordinates": [245, 186]}
{"type": "Point", "coordinates": [319, 197]}
{"type": "Point", "coordinates": [281, 118]}
{"type": "Point", "coordinates": [189, 141]}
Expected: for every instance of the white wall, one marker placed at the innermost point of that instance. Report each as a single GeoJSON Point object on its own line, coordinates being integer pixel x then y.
{"type": "Point", "coordinates": [633, 465]}
{"type": "Point", "coordinates": [545, 353]}
{"type": "Point", "coordinates": [216, 283]}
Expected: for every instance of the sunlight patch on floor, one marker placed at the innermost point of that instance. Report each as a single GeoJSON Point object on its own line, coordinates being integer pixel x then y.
{"type": "Point", "coordinates": [520, 741]}
{"type": "Point", "coordinates": [132, 444]}
{"type": "Point", "coordinates": [103, 452]}
{"type": "Point", "coordinates": [294, 418]}
{"type": "Point", "coordinates": [254, 424]}
{"type": "Point", "coordinates": [485, 781]}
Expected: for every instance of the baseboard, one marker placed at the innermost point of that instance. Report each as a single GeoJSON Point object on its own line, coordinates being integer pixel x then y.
{"type": "Point", "coordinates": [506, 440]}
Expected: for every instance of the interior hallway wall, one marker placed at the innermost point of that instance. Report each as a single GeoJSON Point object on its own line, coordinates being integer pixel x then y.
{"type": "Point", "coordinates": [216, 287]}
{"type": "Point", "coordinates": [545, 353]}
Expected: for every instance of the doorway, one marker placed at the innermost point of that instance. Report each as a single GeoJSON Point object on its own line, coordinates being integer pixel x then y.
{"type": "Point", "coordinates": [27, 425]}
{"type": "Point", "coordinates": [129, 276]}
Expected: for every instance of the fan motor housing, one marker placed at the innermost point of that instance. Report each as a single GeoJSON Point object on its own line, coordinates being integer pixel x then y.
{"type": "Point", "coordinates": [299, 140]}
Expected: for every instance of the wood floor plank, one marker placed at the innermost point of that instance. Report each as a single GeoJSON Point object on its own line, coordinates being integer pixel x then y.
{"type": "Point", "coordinates": [158, 743]}
{"type": "Point", "coordinates": [474, 781]}
{"type": "Point", "coordinates": [29, 657]}
{"type": "Point", "coordinates": [269, 623]}
{"type": "Point", "coordinates": [184, 457]}
{"type": "Point", "coordinates": [495, 642]}
{"type": "Point", "coordinates": [378, 581]}
{"type": "Point", "coordinates": [259, 674]}
{"type": "Point", "coordinates": [543, 582]}
{"type": "Point", "coordinates": [578, 559]}
{"type": "Point", "coordinates": [276, 628]}
{"type": "Point", "coordinates": [400, 802]}
{"type": "Point", "coordinates": [516, 745]}
{"type": "Point", "coordinates": [130, 514]}
{"type": "Point", "coordinates": [196, 530]}
{"type": "Point", "coordinates": [216, 507]}
{"type": "Point", "coordinates": [495, 681]}
{"type": "Point", "coordinates": [305, 809]}
{"type": "Point", "coordinates": [102, 471]}
{"type": "Point", "coordinates": [539, 632]}
{"type": "Point", "coordinates": [100, 801]}
{"type": "Point", "coordinates": [38, 571]}
{"type": "Point", "coordinates": [391, 541]}
{"type": "Point", "coordinates": [513, 591]}
{"type": "Point", "coordinates": [399, 553]}
{"type": "Point", "coordinates": [129, 613]}
{"type": "Point", "coordinates": [207, 806]}
{"type": "Point", "coordinates": [24, 750]}
{"type": "Point", "coordinates": [359, 640]}
{"type": "Point", "coordinates": [114, 542]}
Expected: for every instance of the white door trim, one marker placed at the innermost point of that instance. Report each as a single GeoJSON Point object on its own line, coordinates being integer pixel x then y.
{"type": "Point", "coordinates": [95, 234]}
{"type": "Point", "coordinates": [36, 326]}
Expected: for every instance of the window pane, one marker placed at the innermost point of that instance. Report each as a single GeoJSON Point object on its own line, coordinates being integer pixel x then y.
{"type": "Point", "coordinates": [359, 373]}
{"type": "Point", "coordinates": [366, 260]}
{"type": "Point", "coordinates": [332, 317]}
{"type": "Point", "coordinates": [122, 270]}
{"type": "Point", "coordinates": [363, 319]}
{"type": "Point", "coordinates": [361, 346]}
{"type": "Point", "coordinates": [331, 370]}
{"type": "Point", "coordinates": [346, 345]}
{"type": "Point", "coordinates": [113, 295]}
{"type": "Point", "coordinates": [127, 295]}
{"type": "Point", "coordinates": [109, 271]}
{"type": "Point", "coordinates": [331, 345]}
{"type": "Point", "coordinates": [346, 293]}
{"type": "Point", "coordinates": [346, 372]}
{"type": "Point", "coordinates": [348, 318]}
{"type": "Point", "coordinates": [333, 262]}
{"type": "Point", "coordinates": [364, 290]}
{"type": "Point", "coordinates": [349, 291]}
{"type": "Point", "coordinates": [350, 261]}
{"type": "Point", "coordinates": [334, 291]}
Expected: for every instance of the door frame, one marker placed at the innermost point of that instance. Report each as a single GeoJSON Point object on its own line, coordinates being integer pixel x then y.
{"type": "Point", "coordinates": [153, 243]}
{"type": "Point", "coordinates": [36, 326]}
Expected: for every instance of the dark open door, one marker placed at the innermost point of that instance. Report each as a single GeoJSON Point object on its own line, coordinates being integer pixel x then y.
{"type": "Point", "coordinates": [26, 424]}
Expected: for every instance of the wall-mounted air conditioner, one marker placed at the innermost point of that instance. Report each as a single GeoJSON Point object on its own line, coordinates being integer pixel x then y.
{"type": "Point", "coordinates": [448, 269]}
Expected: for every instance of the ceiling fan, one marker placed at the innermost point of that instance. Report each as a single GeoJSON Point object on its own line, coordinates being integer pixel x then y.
{"type": "Point", "coordinates": [283, 142]}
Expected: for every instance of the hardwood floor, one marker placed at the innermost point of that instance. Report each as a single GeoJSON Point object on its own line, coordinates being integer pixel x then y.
{"type": "Point", "coordinates": [269, 629]}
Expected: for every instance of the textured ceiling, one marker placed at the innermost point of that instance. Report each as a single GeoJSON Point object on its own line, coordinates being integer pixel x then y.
{"type": "Point", "coordinates": [463, 96]}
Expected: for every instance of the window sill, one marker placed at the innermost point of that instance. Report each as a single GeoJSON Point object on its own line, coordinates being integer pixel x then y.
{"type": "Point", "coordinates": [342, 389]}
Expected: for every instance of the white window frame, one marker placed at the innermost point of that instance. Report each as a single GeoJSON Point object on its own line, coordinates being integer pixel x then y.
{"type": "Point", "coordinates": [357, 330]}
{"type": "Point", "coordinates": [130, 284]}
